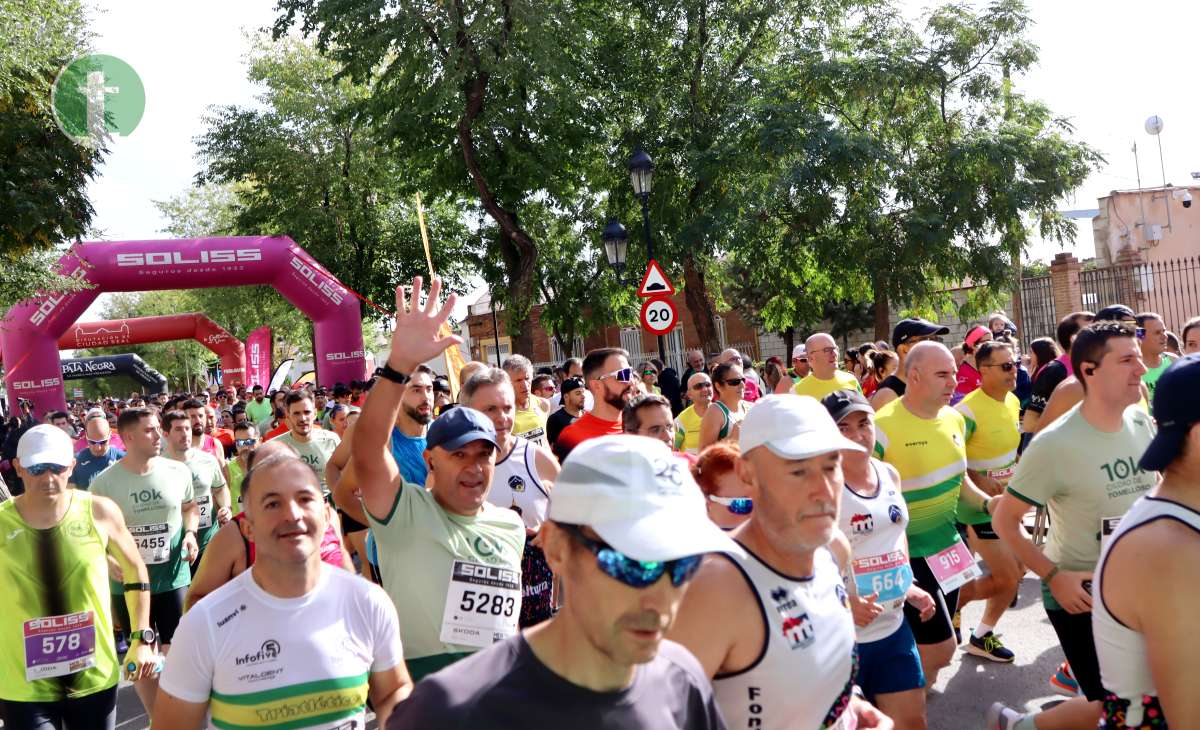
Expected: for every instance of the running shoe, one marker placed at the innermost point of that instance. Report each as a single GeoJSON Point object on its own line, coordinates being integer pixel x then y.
{"type": "Point", "coordinates": [988, 646]}
{"type": "Point", "coordinates": [956, 621]}
{"type": "Point", "coordinates": [1002, 717]}
{"type": "Point", "coordinates": [1062, 681]}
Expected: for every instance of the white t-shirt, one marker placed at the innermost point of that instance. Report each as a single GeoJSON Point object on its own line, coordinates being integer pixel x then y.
{"type": "Point", "coordinates": [262, 661]}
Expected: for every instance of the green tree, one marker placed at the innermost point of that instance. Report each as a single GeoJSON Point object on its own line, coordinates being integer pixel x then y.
{"type": "Point", "coordinates": [307, 164]}
{"type": "Point", "coordinates": [43, 174]}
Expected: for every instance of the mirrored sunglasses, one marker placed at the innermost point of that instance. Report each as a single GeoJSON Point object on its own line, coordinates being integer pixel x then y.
{"type": "Point", "coordinates": [39, 469]}
{"type": "Point", "coordinates": [636, 573]}
{"type": "Point", "coordinates": [736, 505]}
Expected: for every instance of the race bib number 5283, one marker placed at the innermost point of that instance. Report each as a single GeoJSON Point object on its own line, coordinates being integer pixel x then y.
{"type": "Point", "coordinates": [483, 603]}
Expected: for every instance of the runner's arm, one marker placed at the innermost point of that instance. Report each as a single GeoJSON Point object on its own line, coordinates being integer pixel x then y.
{"type": "Point", "coordinates": [172, 712]}
{"type": "Point", "coordinates": [546, 465]}
{"type": "Point", "coordinates": [882, 397]}
{"type": "Point", "coordinates": [971, 495]}
{"type": "Point", "coordinates": [220, 559]}
{"type": "Point", "coordinates": [1007, 514]}
{"type": "Point", "coordinates": [717, 590]}
{"type": "Point", "coordinates": [338, 459]}
{"type": "Point", "coordinates": [1065, 396]}
{"type": "Point", "coordinates": [123, 550]}
{"type": "Point", "coordinates": [191, 516]}
{"type": "Point", "coordinates": [710, 427]}
{"type": "Point", "coordinates": [387, 689]}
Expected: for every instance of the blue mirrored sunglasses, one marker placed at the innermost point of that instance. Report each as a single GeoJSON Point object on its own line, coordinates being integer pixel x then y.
{"type": "Point", "coordinates": [39, 469]}
{"type": "Point", "coordinates": [239, 443]}
{"type": "Point", "coordinates": [636, 573]}
{"type": "Point", "coordinates": [736, 505]}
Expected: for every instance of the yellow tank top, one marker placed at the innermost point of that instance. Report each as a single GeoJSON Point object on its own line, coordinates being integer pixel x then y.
{"type": "Point", "coordinates": [56, 638]}
{"type": "Point", "coordinates": [531, 422]}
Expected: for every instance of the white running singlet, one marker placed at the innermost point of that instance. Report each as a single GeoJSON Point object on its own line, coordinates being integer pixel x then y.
{"type": "Point", "coordinates": [875, 526]}
{"type": "Point", "coordinates": [1124, 665]}
{"type": "Point", "coordinates": [803, 676]}
{"type": "Point", "coordinates": [267, 662]}
{"type": "Point", "coordinates": [515, 482]}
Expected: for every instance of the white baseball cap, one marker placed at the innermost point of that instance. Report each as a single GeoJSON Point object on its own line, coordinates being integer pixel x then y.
{"type": "Point", "coordinates": [799, 351]}
{"type": "Point", "coordinates": [792, 427]}
{"type": "Point", "coordinates": [639, 497]}
{"type": "Point", "coordinates": [45, 444]}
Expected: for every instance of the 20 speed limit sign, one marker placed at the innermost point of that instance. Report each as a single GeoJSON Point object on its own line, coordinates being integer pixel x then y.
{"type": "Point", "coordinates": [659, 315]}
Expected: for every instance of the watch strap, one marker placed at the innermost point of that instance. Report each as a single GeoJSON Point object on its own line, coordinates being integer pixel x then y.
{"type": "Point", "coordinates": [136, 586]}
{"type": "Point", "coordinates": [387, 372]}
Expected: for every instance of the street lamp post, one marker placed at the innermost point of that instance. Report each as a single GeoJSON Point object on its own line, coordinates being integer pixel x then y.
{"type": "Point", "coordinates": [641, 174]}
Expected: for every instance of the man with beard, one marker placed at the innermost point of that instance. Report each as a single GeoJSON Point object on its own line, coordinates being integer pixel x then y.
{"type": "Point", "coordinates": [315, 445]}
{"type": "Point", "coordinates": [610, 381]}
{"type": "Point", "coordinates": [407, 446]}
{"type": "Point", "coordinates": [258, 408]}
{"type": "Point", "coordinates": [209, 487]}
{"type": "Point", "coordinates": [201, 439]}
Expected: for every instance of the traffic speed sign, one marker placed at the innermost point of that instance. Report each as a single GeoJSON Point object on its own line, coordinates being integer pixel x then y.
{"type": "Point", "coordinates": [659, 315]}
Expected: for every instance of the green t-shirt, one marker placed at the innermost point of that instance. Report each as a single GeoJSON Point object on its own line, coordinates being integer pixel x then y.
{"type": "Point", "coordinates": [206, 477]}
{"type": "Point", "coordinates": [1084, 477]}
{"type": "Point", "coordinates": [258, 412]}
{"type": "Point", "coordinates": [418, 543]}
{"type": "Point", "coordinates": [1150, 377]}
{"type": "Point", "coordinates": [316, 451]}
{"type": "Point", "coordinates": [152, 504]}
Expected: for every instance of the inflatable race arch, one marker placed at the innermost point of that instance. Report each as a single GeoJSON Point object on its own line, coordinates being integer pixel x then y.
{"type": "Point", "coordinates": [31, 329]}
{"type": "Point", "coordinates": [141, 330]}
{"type": "Point", "coordinates": [105, 365]}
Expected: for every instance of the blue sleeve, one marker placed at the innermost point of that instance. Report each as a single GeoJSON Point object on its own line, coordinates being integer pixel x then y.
{"type": "Point", "coordinates": [1024, 389]}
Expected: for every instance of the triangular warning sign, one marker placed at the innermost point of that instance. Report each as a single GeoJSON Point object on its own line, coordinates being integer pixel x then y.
{"type": "Point", "coordinates": [655, 282]}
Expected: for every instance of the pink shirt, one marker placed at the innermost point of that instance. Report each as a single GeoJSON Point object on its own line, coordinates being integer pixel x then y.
{"type": "Point", "coordinates": [968, 379]}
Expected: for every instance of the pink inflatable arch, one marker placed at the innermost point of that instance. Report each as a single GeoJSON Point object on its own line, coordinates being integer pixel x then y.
{"type": "Point", "coordinates": [140, 330]}
{"type": "Point", "coordinates": [29, 340]}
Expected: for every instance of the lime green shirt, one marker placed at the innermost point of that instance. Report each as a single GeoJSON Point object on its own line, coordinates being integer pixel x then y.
{"type": "Point", "coordinates": [815, 387]}
{"type": "Point", "coordinates": [152, 504]}
{"type": "Point", "coordinates": [1150, 377]}
{"type": "Point", "coordinates": [931, 456]}
{"type": "Point", "coordinates": [418, 544]}
{"type": "Point", "coordinates": [687, 430]}
{"type": "Point", "coordinates": [993, 434]}
{"type": "Point", "coordinates": [58, 572]}
{"type": "Point", "coordinates": [236, 475]}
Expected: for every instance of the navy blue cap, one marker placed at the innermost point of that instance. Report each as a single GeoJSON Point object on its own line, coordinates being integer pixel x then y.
{"type": "Point", "coordinates": [1115, 313]}
{"type": "Point", "coordinates": [458, 427]}
{"type": "Point", "coordinates": [916, 327]}
{"type": "Point", "coordinates": [1176, 408]}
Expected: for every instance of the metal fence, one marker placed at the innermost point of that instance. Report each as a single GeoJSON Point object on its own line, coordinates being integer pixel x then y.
{"type": "Point", "coordinates": [1037, 309]}
{"type": "Point", "coordinates": [1169, 288]}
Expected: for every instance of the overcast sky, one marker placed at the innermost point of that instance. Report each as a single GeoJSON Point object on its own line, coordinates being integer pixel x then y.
{"type": "Point", "coordinates": [1105, 64]}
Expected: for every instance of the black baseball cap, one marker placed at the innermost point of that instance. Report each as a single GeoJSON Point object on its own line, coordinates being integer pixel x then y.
{"type": "Point", "coordinates": [571, 384]}
{"type": "Point", "coordinates": [1176, 408]}
{"type": "Point", "coordinates": [1115, 313]}
{"type": "Point", "coordinates": [841, 403]}
{"type": "Point", "coordinates": [916, 327]}
{"type": "Point", "coordinates": [458, 427]}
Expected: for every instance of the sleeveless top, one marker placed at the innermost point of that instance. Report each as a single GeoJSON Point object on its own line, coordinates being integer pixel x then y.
{"type": "Point", "coordinates": [804, 673]}
{"type": "Point", "coordinates": [1124, 665]}
{"type": "Point", "coordinates": [515, 484]}
{"type": "Point", "coordinates": [731, 418]}
{"type": "Point", "coordinates": [531, 422]}
{"type": "Point", "coordinates": [331, 545]}
{"type": "Point", "coordinates": [875, 526]}
{"type": "Point", "coordinates": [56, 627]}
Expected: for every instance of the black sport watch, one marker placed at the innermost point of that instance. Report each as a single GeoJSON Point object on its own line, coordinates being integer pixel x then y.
{"type": "Point", "coordinates": [387, 372]}
{"type": "Point", "coordinates": [146, 636]}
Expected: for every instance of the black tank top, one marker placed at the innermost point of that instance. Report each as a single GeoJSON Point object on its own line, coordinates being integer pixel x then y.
{"type": "Point", "coordinates": [894, 383]}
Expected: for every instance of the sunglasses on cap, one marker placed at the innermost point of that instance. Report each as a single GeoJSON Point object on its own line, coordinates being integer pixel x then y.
{"type": "Point", "coordinates": [736, 505]}
{"type": "Point", "coordinates": [1007, 367]}
{"type": "Point", "coordinates": [239, 443]}
{"type": "Point", "coordinates": [635, 573]}
{"type": "Point", "coordinates": [624, 375]}
{"type": "Point", "coordinates": [39, 469]}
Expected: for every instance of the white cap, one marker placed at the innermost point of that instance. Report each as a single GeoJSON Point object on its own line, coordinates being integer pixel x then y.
{"type": "Point", "coordinates": [639, 497]}
{"type": "Point", "coordinates": [792, 427]}
{"type": "Point", "coordinates": [45, 444]}
{"type": "Point", "coordinates": [799, 351]}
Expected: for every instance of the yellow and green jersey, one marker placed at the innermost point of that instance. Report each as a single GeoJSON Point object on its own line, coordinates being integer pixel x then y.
{"type": "Point", "coordinates": [814, 387]}
{"type": "Point", "coordinates": [931, 456]}
{"type": "Point", "coordinates": [687, 430]}
{"type": "Point", "coordinates": [993, 433]}
{"type": "Point", "coordinates": [56, 635]}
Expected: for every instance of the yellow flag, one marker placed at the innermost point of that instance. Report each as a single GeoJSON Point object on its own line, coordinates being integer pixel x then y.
{"type": "Point", "coordinates": [453, 355]}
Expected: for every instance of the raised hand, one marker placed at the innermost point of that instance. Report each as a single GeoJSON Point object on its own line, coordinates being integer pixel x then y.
{"type": "Point", "coordinates": [417, 337]}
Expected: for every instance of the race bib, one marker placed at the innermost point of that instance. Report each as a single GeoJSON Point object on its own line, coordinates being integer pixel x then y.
{"type": "Point", "coordinates": [1002, 475]}
{"type": "Point", "coordinates": [953, 567]}
{"type": "Point", "coordinates": [889, 575]}
{"type": "Point", "coordinates": [205, 504]}
{"type": "Point", "coordinates": [483, 604]}
{"type": "Point", "coordinates": [1108, 525]}
{"type": "Point", "coordinates": [56, 646]}
{"type": "Point", "coordinates": [537, 436]}
{"type": "Point", "coordinates": [153, 542]}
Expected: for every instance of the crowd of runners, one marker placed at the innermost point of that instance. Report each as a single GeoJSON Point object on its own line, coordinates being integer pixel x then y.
{"type": "Point", "coordinates": [612, 544]}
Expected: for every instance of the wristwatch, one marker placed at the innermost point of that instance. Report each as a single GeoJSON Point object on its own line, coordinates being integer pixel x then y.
{"type": "Point", "coordinates": [387, 372]}
{"type": "Point", "coordinates": [146, 636]}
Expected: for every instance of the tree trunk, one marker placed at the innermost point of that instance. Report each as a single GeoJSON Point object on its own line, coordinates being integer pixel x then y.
{"type": "Point", "coordinates": [789, 341]}
{"type": "Point", "coordinates": [882, 313]}
{"type": "Point", "coordinates": [519, 271]}
{"type": "Point", "coordinates": [695, 294]}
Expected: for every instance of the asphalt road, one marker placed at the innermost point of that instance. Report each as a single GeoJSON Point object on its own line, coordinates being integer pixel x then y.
{"type": "Point", "coordinates": [962, 693]}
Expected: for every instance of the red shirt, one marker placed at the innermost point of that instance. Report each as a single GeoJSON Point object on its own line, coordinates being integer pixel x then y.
{"type": "Point", "coordinates": [587, 427]}
{"type": "Point", "coordinates": [968, 379]}
{"type": "Point", "coordinates": [282, 428]}
{"type": "Point", "coordinates": [225, 436]}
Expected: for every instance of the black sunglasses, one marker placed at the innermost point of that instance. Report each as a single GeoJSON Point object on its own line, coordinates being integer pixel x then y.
{"type": "Point", "coordinates": [1005, 366]}
{"type": "Point", "coordinates": [734, 381]}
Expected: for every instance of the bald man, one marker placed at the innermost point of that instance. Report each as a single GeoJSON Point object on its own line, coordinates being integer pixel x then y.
{"type": "Point", "coordinates": [824, 377]}
{"type": "Point", "coordinates": [687, 423]}
{"type": "Point", "coordinates": [925, 440]}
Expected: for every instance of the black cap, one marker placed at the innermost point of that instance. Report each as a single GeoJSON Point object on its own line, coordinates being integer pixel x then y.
{"type": "Point", "coordinates": [458, 427]}
{"type": "Point", "coordinates": [916, 327]}
{"type": "Point", "coordinates": [1115, 313]}
{"type": "Point", "coordinates": [1176, 408]}
{"type": "Point", "coordinates": [841, 403]}
{"type": "Point", "coordinates": [571, 384]}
